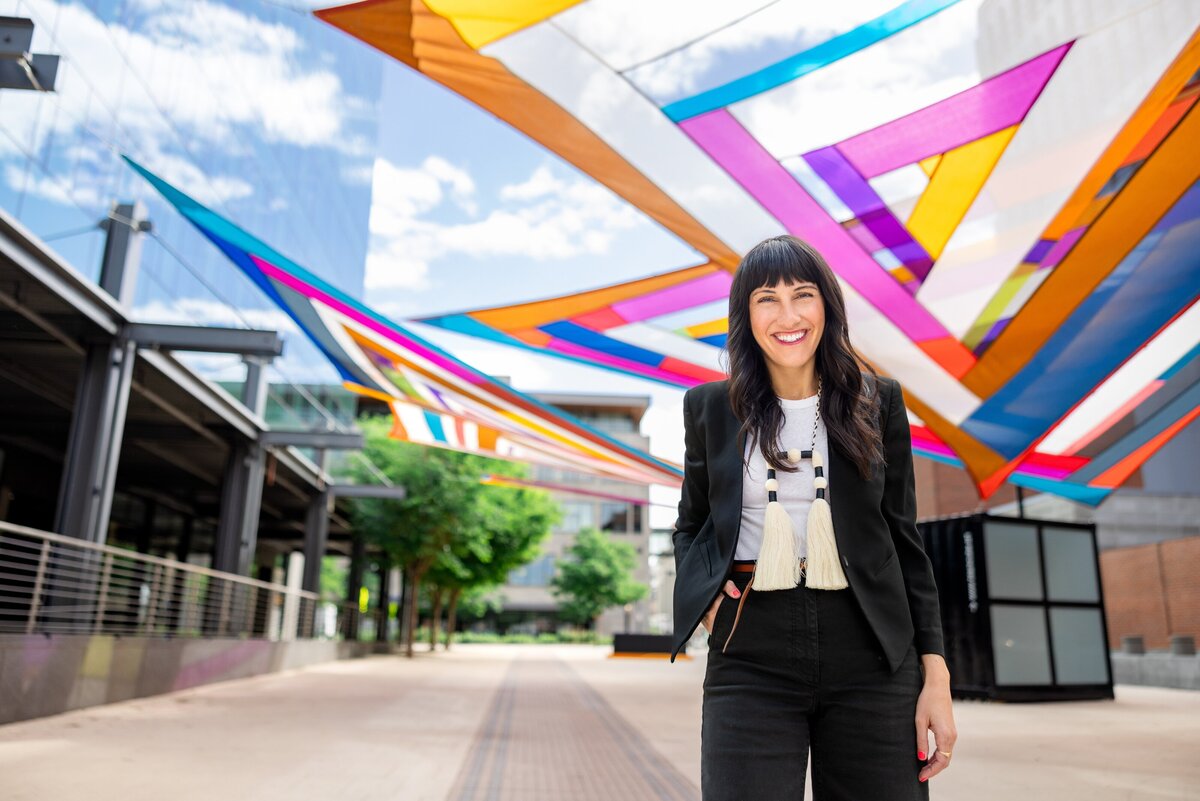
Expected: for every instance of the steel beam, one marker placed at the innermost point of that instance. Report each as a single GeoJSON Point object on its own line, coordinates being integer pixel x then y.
{"type": "Point", "coordinates": [367, 491]}
{"type": "Point", "coordinates": [316, 530]}
{"type": "Point", "coordinates": [320, 440]}
{"type": "Point", "coordinates": [241, 504]}
{"type": "Point", "coordinates": [204, 339]}
{"type": "Point", "coordinates": [126, 224]}
{"type": "Point", "coordinates": [94, 443]}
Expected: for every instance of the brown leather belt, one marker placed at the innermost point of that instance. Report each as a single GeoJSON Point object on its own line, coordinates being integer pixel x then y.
{"type": "Point", "coordinates": [747, 567]}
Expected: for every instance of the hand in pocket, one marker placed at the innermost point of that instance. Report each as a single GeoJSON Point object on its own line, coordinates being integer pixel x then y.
{"type": "Point", "coordinates": [710, 616]}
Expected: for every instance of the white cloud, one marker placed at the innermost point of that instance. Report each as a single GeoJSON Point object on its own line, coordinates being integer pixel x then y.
{"type": "Point", "coordinates": [203, 75]}
{"type": "Point", "coordinates": [543, 217]}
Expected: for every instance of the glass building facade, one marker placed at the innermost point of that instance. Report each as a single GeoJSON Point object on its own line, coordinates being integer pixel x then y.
{"type": "Point", "coordinates": [256, 109]}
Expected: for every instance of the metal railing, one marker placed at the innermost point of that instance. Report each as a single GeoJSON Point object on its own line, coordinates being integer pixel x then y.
{"type": "Point", "coordinates": [50, 584]}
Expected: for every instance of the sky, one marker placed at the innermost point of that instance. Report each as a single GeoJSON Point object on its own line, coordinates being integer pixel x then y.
{"type": "Point", "coordinates": [461, 210]}
{"type": "Point", "coordinates": [467, 212]}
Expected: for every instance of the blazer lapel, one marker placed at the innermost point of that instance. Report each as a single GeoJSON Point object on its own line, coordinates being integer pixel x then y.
{"type": "Point", "coordinates": [843, 478]}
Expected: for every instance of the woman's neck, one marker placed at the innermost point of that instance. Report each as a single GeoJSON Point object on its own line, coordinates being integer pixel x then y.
{"type": "Point", "coordinates": [795, 384]}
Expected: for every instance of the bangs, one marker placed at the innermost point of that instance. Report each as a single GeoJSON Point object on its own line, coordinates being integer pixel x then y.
{"type": "Point", "coordinates": [785, 259]}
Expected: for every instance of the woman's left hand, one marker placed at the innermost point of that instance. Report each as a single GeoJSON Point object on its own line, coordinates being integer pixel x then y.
{"type": "Point", "coordinates": [935, 712]}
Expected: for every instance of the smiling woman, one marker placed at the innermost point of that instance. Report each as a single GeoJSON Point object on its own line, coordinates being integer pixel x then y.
{"type": "Point", "coordinates": [840, 649]}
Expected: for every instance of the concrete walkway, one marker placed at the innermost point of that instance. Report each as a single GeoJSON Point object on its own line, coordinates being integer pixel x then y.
{"type": "Point", "coordinates": [538, 723]}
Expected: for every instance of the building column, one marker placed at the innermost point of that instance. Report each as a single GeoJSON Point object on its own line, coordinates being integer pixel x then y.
{"type": "Point", "coordinates": [102, 399]}
{"type": "Point", "coordinates": [241, 490]}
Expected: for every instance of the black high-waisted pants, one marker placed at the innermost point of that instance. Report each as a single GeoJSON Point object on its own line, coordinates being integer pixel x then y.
{"type": "Point", "coordinates": [804, 670]}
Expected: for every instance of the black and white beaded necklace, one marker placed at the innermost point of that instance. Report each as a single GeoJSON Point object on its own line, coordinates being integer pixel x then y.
{"type": "Point", "coordinates": [778, 567]}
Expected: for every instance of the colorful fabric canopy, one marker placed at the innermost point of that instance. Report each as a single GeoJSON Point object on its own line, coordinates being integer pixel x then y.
{"type": "Point", "coordinates": [1008, 195]}
{"type": "Point", "coordinates": [435, 399]}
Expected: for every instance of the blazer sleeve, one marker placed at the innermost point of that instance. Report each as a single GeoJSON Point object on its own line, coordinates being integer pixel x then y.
{"type": "Point", "coordinates": [899, 506]}
{"type": "Point", "coordinates": [693, 500]}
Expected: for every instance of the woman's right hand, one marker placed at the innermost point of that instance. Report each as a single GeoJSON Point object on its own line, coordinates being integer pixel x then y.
{"type": "Point", "coordinates": [732, 591]}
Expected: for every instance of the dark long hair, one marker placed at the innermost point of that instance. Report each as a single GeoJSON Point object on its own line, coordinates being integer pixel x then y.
{"type": "Point", "coordinates": [849, 401]}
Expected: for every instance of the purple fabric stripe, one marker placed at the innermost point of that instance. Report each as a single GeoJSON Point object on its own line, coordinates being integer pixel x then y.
{"type": "Point", "coordinates": [862, 199]}
{"type": "Point", "coordinates": [705, 289]}
{"type": "Point", "coordinates": [1062, 247]}
{"type": "Point", "coordinates": [991, 106]}
{"type": "Point", "coordinates": [1039, 251]}
{"type": "Point", "coordinates": [728, 143]}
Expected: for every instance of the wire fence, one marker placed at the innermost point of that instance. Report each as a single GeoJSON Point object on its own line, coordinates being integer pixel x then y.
{"type": "Point", "coordinates": [50, 584]}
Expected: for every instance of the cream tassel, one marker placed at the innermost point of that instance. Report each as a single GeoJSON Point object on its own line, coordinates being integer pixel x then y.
{"type": "Point", "coordinates": [824, 569]}
{"type": "Point", "coordinates": [778, 566]}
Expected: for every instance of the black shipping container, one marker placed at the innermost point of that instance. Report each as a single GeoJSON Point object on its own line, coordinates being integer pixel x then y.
{"type": "Point", "coordinates": [1022, 607]}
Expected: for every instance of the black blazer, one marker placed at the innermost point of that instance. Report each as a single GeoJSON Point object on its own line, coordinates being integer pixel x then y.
{"type": "Point", "coordinates": [874, 523]}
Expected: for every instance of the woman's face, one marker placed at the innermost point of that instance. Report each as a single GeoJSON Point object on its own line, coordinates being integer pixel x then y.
{"type": "Point", "coordinates": [787, 321]}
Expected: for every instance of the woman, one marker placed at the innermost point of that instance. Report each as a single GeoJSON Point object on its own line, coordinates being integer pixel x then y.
{"type": "Point", "coordinates": [797, 534]}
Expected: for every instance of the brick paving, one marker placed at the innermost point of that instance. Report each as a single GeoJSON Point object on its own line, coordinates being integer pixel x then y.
{"type": "Point", "coordinates": [548, 735]}
{"type": "Point", "coordinates": [538, 723]}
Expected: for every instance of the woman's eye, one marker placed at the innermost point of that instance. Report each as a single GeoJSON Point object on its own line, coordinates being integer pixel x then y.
{"type": "Point", "coordinates": [765, 299]}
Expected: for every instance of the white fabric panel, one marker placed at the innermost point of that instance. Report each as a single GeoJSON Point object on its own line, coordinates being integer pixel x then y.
{"type": "Point", "coordinates": [879, 340]}
{"type": "Point", "coordinates": [627, 32]}
{"type": "Point", "coordinates": [334, 321]}
{"type": "Point", "coordinates": [413, 419]}
{"type": "Point", "coordinates": [1130, 379]}
{"type": "Point", "coordinates": [668, 343]}
{"type": "Point", "coordinates": [914, 68]}
{"type": "Point", "coordinates": [815, 185]}
{"type": "Point", "coordinates": [902, 185]}
{"type": "Point", "coordinates": [1099, 84]}
{"type": "Point", "coordinates": [633, 126]}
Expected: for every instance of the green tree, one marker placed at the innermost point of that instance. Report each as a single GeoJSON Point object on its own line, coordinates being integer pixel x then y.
{"type": "Point", "coordinates": [450, 530]}
{"type": "Point", "coordinates": [596, 574]}
{"type": "Point", "coordinates": [511, 524]}
{"type": "Point", "coordinates": [438, 506]}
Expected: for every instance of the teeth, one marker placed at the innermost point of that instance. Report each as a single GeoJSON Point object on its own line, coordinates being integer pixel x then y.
{"type": "Point", "coordinates": [789, 337]}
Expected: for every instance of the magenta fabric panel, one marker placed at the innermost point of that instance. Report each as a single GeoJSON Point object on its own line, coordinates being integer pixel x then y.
{"type": "Point", "coordinates": [672, 299]}
{"type": "Point", "coordinates": [991, 106]}
{"type": "Point", "coordinates": [1062, 247]}
{"type": "Point", "coordinates": [739, 154]}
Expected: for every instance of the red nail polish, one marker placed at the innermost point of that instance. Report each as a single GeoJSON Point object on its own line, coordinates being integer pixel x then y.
{"type": "Point", "coordinates": [920, 755]}
{"type": "Point", "coordinates": [924, 778]}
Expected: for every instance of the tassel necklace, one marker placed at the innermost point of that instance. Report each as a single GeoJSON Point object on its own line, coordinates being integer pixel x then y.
{"type": "Point", "coordinates": [778, 567]}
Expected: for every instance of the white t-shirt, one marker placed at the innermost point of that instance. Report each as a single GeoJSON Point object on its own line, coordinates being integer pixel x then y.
{"type": "Point", "coordinates": [796, 491]}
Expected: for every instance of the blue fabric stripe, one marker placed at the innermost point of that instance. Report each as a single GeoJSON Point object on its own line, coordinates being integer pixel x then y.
{"type": "Point", "coordinates": [435, 425]}
{"type": "Point", "coordinates": [716, 339]}
{"type": "Point", "coordinates": [806, 61]}
{"type": "Point", "coordinates": [1092, 496]}
{"type": "Point", "coordinates": [1149, 287]}
{"type": "Point", "coordinates": [578, 335]}
{"type": "Point", "coordinates": [1180, 405]}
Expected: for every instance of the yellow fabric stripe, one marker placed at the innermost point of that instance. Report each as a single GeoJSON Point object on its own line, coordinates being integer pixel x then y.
{"type": "Point", "coordinates": [952, 189]}
{"type": "Point", "coordinates": [930, 164]}
{"type": "Point", "coordinates": [708, 329]}
{"type": "Point", "coordinates": [481, 22]}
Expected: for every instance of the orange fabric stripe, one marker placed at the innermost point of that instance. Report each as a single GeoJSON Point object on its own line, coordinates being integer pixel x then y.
{"type": "Point", "coordinates": [539, 312]}
{"type": "Point", "coordinates": [1116, 475]}
{"type": "Point", "coordinates": [1154, 188]}
{"type": "Point", "coordinates": [409, 32]}
{"type": "Point", "coordinates": [1163, 94]}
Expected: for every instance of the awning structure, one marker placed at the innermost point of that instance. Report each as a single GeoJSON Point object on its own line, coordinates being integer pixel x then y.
{"type": "Point", "coordinates": [436, 399]}
{"type": "Point", "coordinates": [1010, 201]}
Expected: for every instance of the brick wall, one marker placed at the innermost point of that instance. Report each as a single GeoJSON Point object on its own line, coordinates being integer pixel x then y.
{"type": "Point", "coordinates": [945, 490]}
{"type": "Point", "coordinates": [1152, 590]}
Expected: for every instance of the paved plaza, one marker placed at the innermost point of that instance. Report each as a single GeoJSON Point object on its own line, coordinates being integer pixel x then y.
{"type": "Point", "coordinates": [532, 722]}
